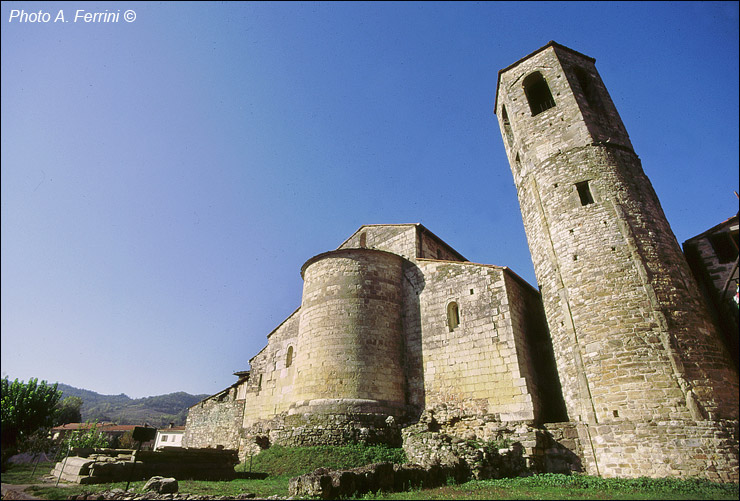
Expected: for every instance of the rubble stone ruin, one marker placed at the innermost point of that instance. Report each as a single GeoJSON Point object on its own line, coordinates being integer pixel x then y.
{"type": "Point", "coordinates": [614, 367]}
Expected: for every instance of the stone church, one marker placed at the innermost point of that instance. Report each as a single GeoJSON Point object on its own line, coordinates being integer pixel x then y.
{"type": "Point", "coordinates": [614, 363]}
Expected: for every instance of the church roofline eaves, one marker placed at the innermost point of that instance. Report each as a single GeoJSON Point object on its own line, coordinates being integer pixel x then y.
{"type": "Point", "coordinates": [340, 252]}
{"type": "Point", "coordinates": [426, 259]}
{"type": "Point", "coordinates": [551, 43]}
{"type": "Point", "coordinates": [711, 230]}
{"type": "Point", "coordinates": [225, 390]}
{"type": "Point", "coordinates": [515, 276]}
{"type": "Point", "coordinates": [419, 226]}
{"type": "Point", "coordinates": [279, 325]}
{"type": "Point", "coordinates": [425, 229]}
{"type": "Point", "coordinates": [368, 225]}
{"type": "Point", "coordinates": [505, 269]}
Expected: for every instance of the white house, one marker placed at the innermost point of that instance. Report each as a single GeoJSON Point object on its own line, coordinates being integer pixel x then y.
{"type": "Point", "coordinates": [169, 437]}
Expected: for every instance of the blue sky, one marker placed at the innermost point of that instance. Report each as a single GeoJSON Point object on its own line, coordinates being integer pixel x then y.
{"type": "Point", "coordinates": [163, 180]}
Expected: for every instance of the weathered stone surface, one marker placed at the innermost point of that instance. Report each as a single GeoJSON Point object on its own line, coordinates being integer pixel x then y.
{"type": "Point", "coordinates": [632, 338]}
{"type": "Point", "coordinates": [183, 463]}
{"type": "Point", "coordinates": [712, 262]}
{"type": "Point", "coordinates": [214, 423]}
{"type": "Point", "coordinates": [120, 494]}
{"type": "Point", "coordinates": [161, 485]}
{"type": "Point", "coordinates": [339, 484]}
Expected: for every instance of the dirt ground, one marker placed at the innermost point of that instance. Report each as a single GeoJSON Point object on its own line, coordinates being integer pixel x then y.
{"type": "Point", "coordinates": [16, 492]}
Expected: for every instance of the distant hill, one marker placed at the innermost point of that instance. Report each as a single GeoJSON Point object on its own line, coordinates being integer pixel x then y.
{"type": "Point", "coordinates": [157, 411]}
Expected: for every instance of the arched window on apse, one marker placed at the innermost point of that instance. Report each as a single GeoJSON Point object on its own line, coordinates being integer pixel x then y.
{"type": "Point", "coordinates": [289, 357]}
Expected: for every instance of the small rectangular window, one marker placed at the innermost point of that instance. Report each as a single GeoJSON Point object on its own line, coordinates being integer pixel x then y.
{"type": "Point", "coordinates": [584, 192]}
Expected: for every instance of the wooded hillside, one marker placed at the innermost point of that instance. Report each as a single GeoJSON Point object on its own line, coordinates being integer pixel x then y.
{"type": "Point", "coordinates": [157, 411]}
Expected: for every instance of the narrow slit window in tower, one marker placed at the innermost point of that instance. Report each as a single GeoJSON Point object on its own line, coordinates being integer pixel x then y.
{"type": "Point", "coordinates": [289, 357]}
{"type": "Point", "coordinates": [584, 192]}
{"type": "Point", "coordinates": [453, 316]}
{"type": "Point", "coordinates": [538, 93]}
{"type": "Point", "coordinates": [507, 125]}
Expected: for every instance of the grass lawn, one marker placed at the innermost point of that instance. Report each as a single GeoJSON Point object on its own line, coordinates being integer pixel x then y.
{"type": "Point", "coordinates": [283, 463]}
{"type": "Point", "coordinates": [573, 487]}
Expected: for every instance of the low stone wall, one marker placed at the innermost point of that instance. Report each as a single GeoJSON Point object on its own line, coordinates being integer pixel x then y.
{"type": "Point", "coordinates": [489, 448]}
{"type": "Point", "coordinates": [102, 466]}
{"type": "Point", "coordinates": [301, 430]}
{"type": "Point", "coordinates": [620, 448]}
{"type": "Point", "coordinates": [340, 484]}
{"type": "Point", "coordinates": [121, 495]}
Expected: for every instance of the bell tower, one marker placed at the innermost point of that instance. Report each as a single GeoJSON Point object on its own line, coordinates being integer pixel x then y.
{"type": "Point", "coordinates": [631, 335]}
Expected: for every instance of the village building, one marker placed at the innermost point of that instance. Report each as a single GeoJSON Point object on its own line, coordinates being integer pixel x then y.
{"type": "Point", "coordinates": [713, 258]}
{"type": "Point", "coordinates": [169, 437]}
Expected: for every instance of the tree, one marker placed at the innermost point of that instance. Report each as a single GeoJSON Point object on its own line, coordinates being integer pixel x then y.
{"type": "Point", "coordinates": [127, 441]}
{"type": "Point", "coordinates": [91, 436]}
{"type": "Point", "coordinates": [37, 442]}
{"type": "Point", "coordinates": [68, 411]}
{"type": "Point", "coordinates": [26, 407]}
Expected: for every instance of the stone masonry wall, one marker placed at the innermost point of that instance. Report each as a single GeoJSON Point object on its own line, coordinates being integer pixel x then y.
{"type": "Point", "coordinates": [270, 382]}
{"type": "Point", "coordinates": [350, 328]}
{"type": "Point", "coordinates": [411, 241]}
{"type": "Point", "coordinates": [91, 466]}
{"type": "Point", "coordinates": [214, 423]}
{"type": "Point", "coordinates": [718, 273]}
{"type": "Point", "coordinates": [413, 361]}
{"type": "Point", "coordinates": [631, 338]}
{"type": "Point", "coordinates": [534, 350]}
{"type": "Point", "coordinates": [717, 279]}
{"type": "Point", "coordinates": [307, 429]}
{"type": "Point", "coordinates": [484, 447]}
{"type": "Point", "coordinates": [431, 247]}
{"type": "Point", "coordinates": [639, 360]}
{"type": "Point", "coordinates": [683, 449]}
{"type": "Point", "coordinates": [476, 364]}
{"type": "Point", "coordinates": [396, 238]}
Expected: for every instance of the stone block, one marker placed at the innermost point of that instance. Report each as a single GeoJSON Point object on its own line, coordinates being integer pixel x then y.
{"type": "Point", "coordinates": [161, 485]}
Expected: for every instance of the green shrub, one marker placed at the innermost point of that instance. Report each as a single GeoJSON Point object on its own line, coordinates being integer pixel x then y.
{"type": "Point", "coordinates": [296, 461]}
